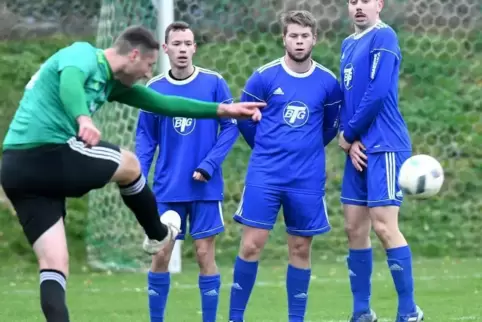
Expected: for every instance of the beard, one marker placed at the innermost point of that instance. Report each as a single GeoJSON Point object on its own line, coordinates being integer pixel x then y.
{"type": "Point", "coordinates": [299, 59]}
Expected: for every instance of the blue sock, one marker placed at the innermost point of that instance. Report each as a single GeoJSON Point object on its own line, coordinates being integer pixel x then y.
{"type": "Point", "coordinates": [297, 283]}
{"type": "Point", "coordinates": [400, 264]}
{"type": "Point", "coordinates": [209, 287]}
{"type": "Point", "coordinates": [158, 289]}
{"type": "Point", "coordinates": [360, 267]}
{"type": "Point", "coordinates": [244, 277]}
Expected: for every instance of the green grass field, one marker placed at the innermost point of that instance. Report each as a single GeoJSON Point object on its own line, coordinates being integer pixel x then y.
{"type": "Point", "coordinates": [447, 290]}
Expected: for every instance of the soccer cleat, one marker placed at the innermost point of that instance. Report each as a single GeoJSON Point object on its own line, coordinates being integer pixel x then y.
{"type": "Point", "coordinates": [416, 316]}
{"type": "Point", "coordinates": [364, 317]}
{"type": "Point", "coordinates": [173, 222]}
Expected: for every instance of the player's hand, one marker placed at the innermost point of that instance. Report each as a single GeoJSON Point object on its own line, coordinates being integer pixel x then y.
{"type": "Point", "coordinates": [87, 131]}
{"type": "Point", "coordinates": [241, 110]}
{"type": "Point", "coordinates": [199, 177]}
{"type": "Point", "coordinates": [343, 144]}
{"type": "Point", "coordinates": [358, 156]}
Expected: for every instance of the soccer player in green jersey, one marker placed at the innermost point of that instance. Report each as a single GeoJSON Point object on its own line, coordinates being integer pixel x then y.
{"type": "Point", "coordinates": [53, 150]}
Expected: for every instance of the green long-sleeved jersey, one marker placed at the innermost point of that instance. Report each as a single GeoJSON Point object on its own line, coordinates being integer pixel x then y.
{"type": "Point", "coordinates": [77, 80]}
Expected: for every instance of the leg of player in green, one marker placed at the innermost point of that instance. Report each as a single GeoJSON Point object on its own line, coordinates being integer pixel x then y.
{"type": "Point", "coordinates": [52, 150]}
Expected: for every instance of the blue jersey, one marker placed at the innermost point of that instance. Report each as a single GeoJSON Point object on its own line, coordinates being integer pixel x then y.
{"type": "Point", "coordinates": [370, 64]}
{"type": "Point", "coordinates": [300, 119]}
{"type": "Point", "coordinates": [186, 144]}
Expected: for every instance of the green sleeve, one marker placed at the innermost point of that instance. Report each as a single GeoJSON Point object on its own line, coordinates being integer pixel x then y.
{"type": "Point", "coordinates": [149, 100]}
{"type": "Point", "coordinates": [80, 55]}
{"type": "Point", "coordinates": [72, 92]}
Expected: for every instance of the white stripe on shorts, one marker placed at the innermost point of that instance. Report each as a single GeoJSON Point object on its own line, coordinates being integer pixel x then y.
{"type": "Point", "coordinates": [96, 152]}
{"type": "Point", "coordinates": [391, 174]}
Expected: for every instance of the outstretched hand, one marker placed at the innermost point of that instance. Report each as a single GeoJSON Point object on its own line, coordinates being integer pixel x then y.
{"type": "Point", "coordinates": [242, 110]}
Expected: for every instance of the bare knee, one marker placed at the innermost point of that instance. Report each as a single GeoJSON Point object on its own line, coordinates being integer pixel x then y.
{"type": "Point", "coordinates": [205, 254]}
{"type": "Point", "coordinates": [385, 225]}
{"type": "Point", "coordinates": [357, 226]}
{"type": "Point", "coordinates": [51, 249]}
{"type": "Point", "coordinates": [129, 169]}
{"type": "Point", "coordinates": [160, 261]}
{"type": "Point", "coordinates": [299, 250]}
{"type": "Point", "coordinates": [252, 243]}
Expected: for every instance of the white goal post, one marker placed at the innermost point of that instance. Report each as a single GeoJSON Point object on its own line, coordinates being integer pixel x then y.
{"type": "Point", "coordinates": [165, 16]}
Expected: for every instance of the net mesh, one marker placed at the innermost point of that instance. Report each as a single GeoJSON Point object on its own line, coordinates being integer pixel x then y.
{"type": "Point", "coordinates": [439, 38]}
{"type": "Point", "coordinates": [440, 88]}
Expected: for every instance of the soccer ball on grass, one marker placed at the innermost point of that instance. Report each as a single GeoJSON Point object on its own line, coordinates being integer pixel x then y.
{"type": "Point", "coordinates": [421, 176]}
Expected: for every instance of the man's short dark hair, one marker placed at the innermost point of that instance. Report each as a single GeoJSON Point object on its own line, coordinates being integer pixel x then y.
{"type": "Point", "coordinates": [136, 37]}
{"type": "Point", "coordinates": [175, 26]}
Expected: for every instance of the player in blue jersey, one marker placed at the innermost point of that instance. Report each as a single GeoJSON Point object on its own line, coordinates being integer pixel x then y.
{"type": "Point", "coordinates": [376, 139]}
{"type": "Point", "coordinates": [188, 175]}
{"type": "Point", "coordinates": [287, 165]}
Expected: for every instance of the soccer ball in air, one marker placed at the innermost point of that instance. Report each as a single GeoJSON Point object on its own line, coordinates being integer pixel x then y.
{"type": "Point", "coordinates": [421, 176]}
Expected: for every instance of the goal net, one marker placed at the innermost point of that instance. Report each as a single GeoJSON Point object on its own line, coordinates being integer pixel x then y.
{"type": "Point", "coordinates": [441, 44]}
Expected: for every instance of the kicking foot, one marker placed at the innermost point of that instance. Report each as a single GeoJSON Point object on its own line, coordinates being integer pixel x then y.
{"type": "Point", "coordinates": [416, 316]}
{"type": "Point", "coordinates": [364, 317]}
{"type": "Point", "coordinates": [173, 222]}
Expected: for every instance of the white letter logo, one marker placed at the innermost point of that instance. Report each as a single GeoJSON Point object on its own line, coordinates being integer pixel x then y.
{"type": "Point", "coordinates": [183, 126]}
{"type": "Point", "coordinates": [348, 76]}
{"type": "Point", "coordinates": [296, 114]}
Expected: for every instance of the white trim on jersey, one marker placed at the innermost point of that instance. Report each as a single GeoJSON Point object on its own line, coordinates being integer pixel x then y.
{"type": "Point", "coordinates": [253, 96]}
{"type": "Point", "coordinates": [273, 63]}
{"type": "Point", "coordinates": [378, 25]}
{"type": "Point", "coordinates": [184, 81]}
{"type": "Point", "coordinates": [299, 75]}
{"type": "Point", "coordinates": [96, 152]}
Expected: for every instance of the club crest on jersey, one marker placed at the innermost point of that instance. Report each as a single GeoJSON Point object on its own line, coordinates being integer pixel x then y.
{"type": "Point", "coordinates": [348, 76]}
{"type": "Point", "coordinates": [296, 114]}
{"type": "Point", "coordinates": [183, 125]}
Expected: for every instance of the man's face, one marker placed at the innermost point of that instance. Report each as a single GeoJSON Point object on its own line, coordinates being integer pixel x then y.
{"type": "Point", "coordinates": [364, 13]}
{"type": "Point", "coordinates": [180, 48]}
{"type": "Point", "coordinates": [299, 42]}
{"type": "Point", "coordinates": [139, 66]}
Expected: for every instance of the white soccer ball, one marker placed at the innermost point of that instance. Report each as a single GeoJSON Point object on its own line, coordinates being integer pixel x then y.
{"type": "Point", "coordinates": [421, 176]}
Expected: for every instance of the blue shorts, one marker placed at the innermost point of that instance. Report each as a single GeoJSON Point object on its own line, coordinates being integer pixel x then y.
{"type": "Point", "coordinates": [304, 214]}
{"type": "Point", "coordinates": [205, 217]}
{"type": "Point", "coordinates": [377, 185]}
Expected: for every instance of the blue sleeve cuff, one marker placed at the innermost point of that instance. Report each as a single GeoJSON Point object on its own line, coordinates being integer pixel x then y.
{"type": "Point", "coordinates": [207, 168]}
{"type": "Point", "coordinates": [349, 135]}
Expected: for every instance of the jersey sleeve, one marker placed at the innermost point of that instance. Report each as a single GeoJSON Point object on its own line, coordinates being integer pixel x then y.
{"type": "Point", "coordinates": [384, 58]}
{"type": "Point", "coordinates": [332, 108]}
{"type": "Point", "coordinates": [253, 92]}
{"type": "Point", "coordinates": [81, 56]}
{"type": "Point", "coordinates": [223, 94]}
{"type": "Point", "coordinates": [146, 139]}
{"type": "Point", "coordinates": [228, 134]}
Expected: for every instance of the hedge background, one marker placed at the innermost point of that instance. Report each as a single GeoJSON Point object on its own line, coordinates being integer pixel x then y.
{"type": "Point", "coordinates": [440, 98]}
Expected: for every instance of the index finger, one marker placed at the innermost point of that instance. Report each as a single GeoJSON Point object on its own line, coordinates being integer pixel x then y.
{"type": "Point", "coordinates": [251, 105]}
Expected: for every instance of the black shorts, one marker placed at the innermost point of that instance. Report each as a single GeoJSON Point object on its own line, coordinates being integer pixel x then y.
{"type": "Point", "coordinates": [38, 180]}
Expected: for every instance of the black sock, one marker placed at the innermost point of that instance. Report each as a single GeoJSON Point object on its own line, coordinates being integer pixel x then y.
{"type": "Point", "coordinates": [52, 295]}
{"type": "Point", "coordinates": [140, 199]}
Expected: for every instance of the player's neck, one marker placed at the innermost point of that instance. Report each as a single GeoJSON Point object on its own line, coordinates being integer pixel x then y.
{"type": "Point", "coordinates": [182, 73]}
{"type": "Point", "coordinates": [298, 67]}
{"type": "Point", "coordinates": [359, 30]}
{"type": "Point", "coordinates": [111, 57]}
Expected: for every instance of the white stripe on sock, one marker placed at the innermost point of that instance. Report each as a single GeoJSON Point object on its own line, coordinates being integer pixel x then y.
{"type": "Point", "coordinates": [135, 188]}
{"type": "Point", "coordinates": [53, 276]}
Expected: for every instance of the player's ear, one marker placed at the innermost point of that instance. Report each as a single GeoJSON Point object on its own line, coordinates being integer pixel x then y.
{"type": "Point", "coordinates": [164, 48]}
{"type": "Point", "coordinates": [134, 54]}
{"type": "Point", "coordinates": [195, 47]}
{"type": "Point", "coordinates": [380, 4]}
